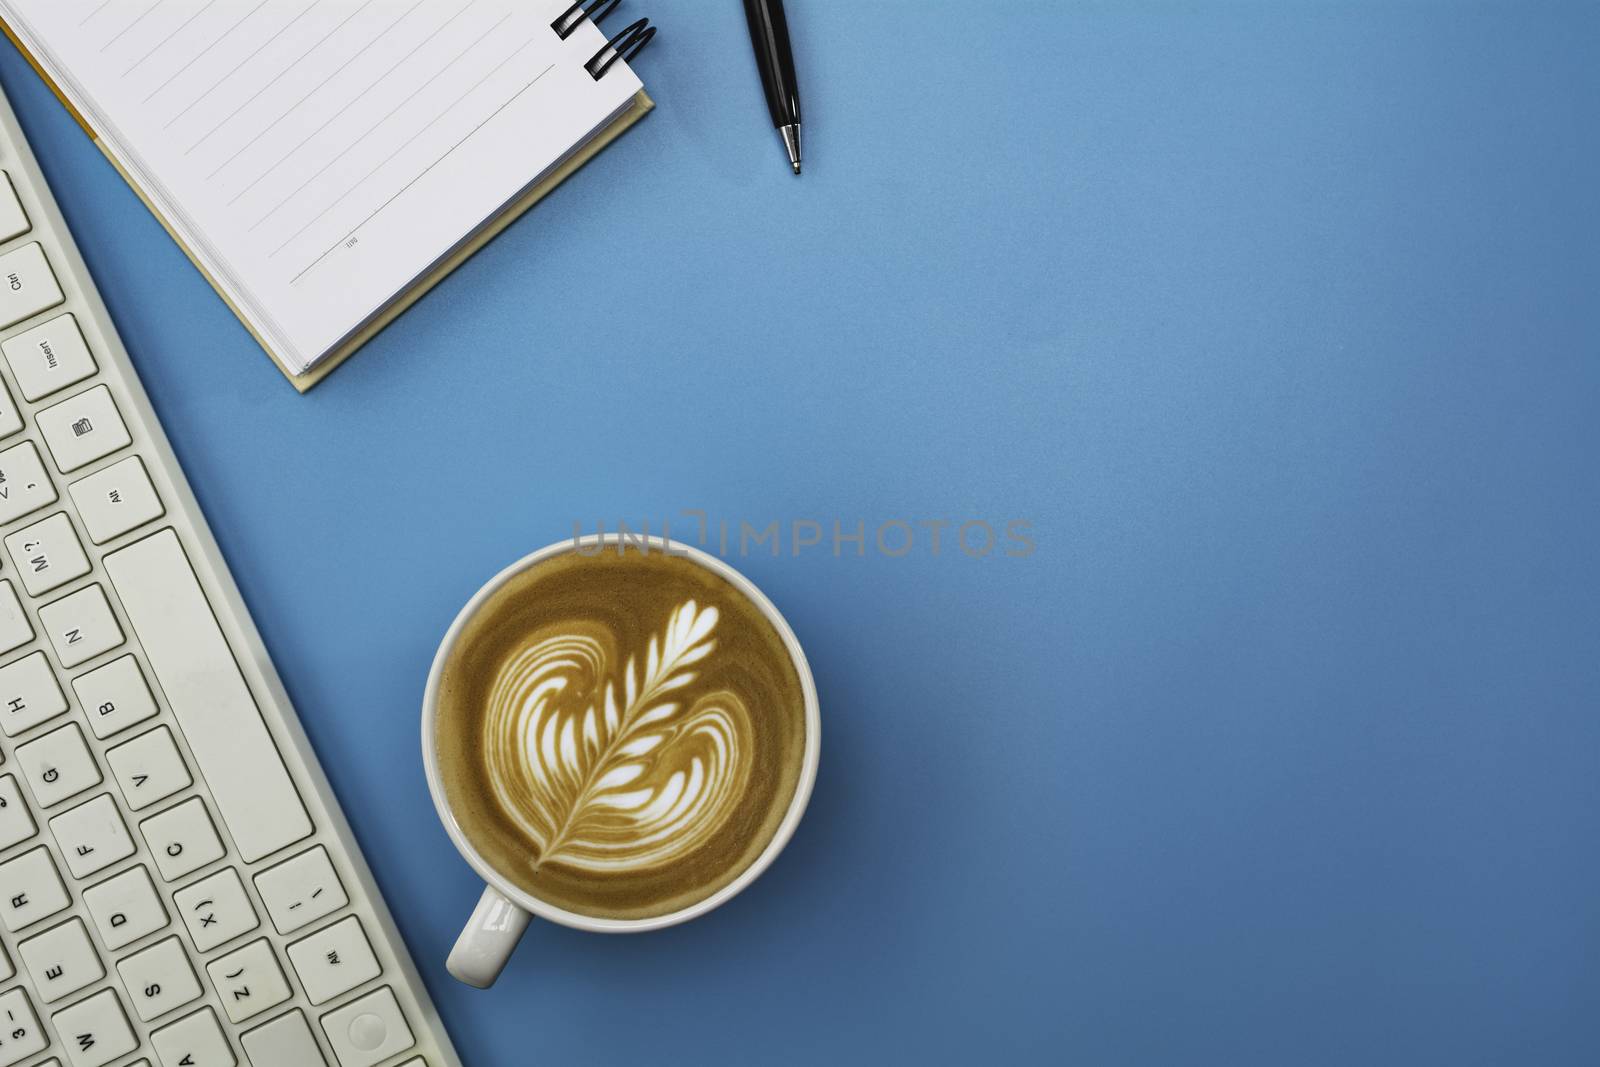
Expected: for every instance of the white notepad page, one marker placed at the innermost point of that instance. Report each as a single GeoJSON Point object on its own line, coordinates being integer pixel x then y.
{"type": "Point", "coordinates": [319, 156]}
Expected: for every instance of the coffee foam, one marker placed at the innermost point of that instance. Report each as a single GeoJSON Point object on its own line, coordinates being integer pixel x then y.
{"type": "Point", "coordinates": [619, 735]}
{"type": "Point", "coordinates": [636, 778]}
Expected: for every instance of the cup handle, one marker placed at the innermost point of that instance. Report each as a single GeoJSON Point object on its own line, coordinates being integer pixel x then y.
{"type": "Point", "coordinates": [483, 948]}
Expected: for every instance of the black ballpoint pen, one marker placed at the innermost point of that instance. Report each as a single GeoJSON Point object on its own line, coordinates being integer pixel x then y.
{"type": "Point", "coordinates": [769, 34]}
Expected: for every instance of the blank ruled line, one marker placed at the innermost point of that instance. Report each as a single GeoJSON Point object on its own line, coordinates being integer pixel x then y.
{"type": "Point", "coordinates": [122, 32]}
{"type": "Point", "coordinates": [412, 139]}
{"type": "Point", "coordinates": [168, 39]}
{"type": "Point", "coordinates": [351, 103]}
{"type": "Point", "coordinates": [425, 170]}
{"type": "Point", "coordinates": [180, 69]}
{"type": "Point", "coordinates": [279, 77]}
{"type": "Point", "coordinates": [245, 62]}
{"type": "Point", "coordinates": [225, 34]}
{"type": "Point", "coordinates": [315, 89]}
{"type": "Point", "coordinates": [370, 129]}
{"type": "Point", "coordinates": [101, 7]}
{"type": "Point", "coordinates": [403, 146]}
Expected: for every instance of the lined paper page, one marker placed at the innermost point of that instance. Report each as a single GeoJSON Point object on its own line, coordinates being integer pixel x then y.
{"type": "Point", "coordinates": [320, 155]}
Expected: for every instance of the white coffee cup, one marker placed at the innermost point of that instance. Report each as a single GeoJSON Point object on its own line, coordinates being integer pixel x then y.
{"type": "Point", "coordinates": [503, 911]}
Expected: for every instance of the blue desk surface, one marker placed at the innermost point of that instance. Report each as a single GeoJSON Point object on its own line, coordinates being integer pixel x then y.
{"type": "Point", "coordinates": [1278, 323]}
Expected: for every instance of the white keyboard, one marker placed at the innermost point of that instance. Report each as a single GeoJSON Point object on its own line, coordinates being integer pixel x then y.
{"type": "Point", "coordinates": [177, 885]}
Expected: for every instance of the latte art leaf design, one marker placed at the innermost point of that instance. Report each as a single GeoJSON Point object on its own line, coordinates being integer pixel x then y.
{"type": "Point", "coordinates": [621, 774]}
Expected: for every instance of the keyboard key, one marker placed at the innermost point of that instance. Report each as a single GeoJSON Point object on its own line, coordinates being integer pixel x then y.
{"type": "Point", "coordinates": [114, 697]}
{"type": "Point", "coordinates": [92, 836]}
{"type": "Point", "coordinates": [16, 824]}
{"type": "Point", "coordinates": [83, 428]}
{"type": "Point", "coordinates": [334, 960]}
{"type": "Point", "coordinates": [27, 285]}
{"type": "Point", "coordinates": [236, 755]}
{"type": "Point", "coordinates": [182, 839]}
{"type": "Point", "coordinates": [6, 970]}
{"type": "Point", "coordinates": [58, 765]}
{"type": "Point", "coordinates": [369, 1030]}
{"type": "Point", "coordinates": [15, 629]}
{"type": "Point", "coordinates": [10, 414]}
{"type": "Point", "coordinates": [29, 694]}
{"type": "Point", "coordinates": [50, 356]}
{"type": "Point", "coordinates": [125, 908]}
{"type": "Point", "coordinates": [13, 219]}
{"type": "Point", "coordinates": [193, 1041]}
{"type": "Point", "coordinates": [95, 1031]}
{"type": "Point", "coordinates": [159, 979]}
{"type": "Point", "coordinates": [284, 1042]}
{"type": "Point", "coordinates": [21, 1035]}
{"type": "Point", "coordinates": [30, 889]}
{"type": "Point", "coordinates": [216, 910]}
{"type": "Point", "coordinates": [115, 500]}
{"type": "Point", "coordinates": [301, 890]}
{"type": "Point", "coordinates": [248, 981]}
{"type": "Point", "coordinates": [24, 486]}
{"type": "Point", "coordinates": [81, 626]}
{"type": "Point", "coordinates": [47, 554]}
{"type": "Point", "coordinates": [62, 960]}
{"type": "Point", "coordinates": [149, 768]}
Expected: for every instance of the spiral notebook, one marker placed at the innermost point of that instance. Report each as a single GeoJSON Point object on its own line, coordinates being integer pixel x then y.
{"type": "Point", "coordinates": [325, 162]}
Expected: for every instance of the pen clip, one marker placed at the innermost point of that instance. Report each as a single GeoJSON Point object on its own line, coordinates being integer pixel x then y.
{"type": "Point", "coordinates": [593, 10]}
{"type": "Point", "coordinates": [623, 46]}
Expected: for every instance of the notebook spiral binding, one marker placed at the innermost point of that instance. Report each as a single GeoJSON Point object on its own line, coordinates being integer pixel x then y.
{"type": "Point", "coordinates": [624, 46]}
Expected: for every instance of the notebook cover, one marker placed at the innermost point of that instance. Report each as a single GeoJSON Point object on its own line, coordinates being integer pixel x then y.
{"type": "Point", "coordinates": [641, 106]}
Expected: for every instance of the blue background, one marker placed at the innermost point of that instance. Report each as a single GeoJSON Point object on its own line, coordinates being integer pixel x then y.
{"type": "Point", "coordinates": [1277, 321]}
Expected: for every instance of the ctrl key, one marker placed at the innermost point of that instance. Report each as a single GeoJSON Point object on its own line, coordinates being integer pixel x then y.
{"type": "Point", "coordinates": [20, 1033]}
{"type": "Point", "coordinates": [369, 1030]}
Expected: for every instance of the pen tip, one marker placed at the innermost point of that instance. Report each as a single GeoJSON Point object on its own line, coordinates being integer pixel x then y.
{"type": "Point", "coordinates": [791, 144]}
